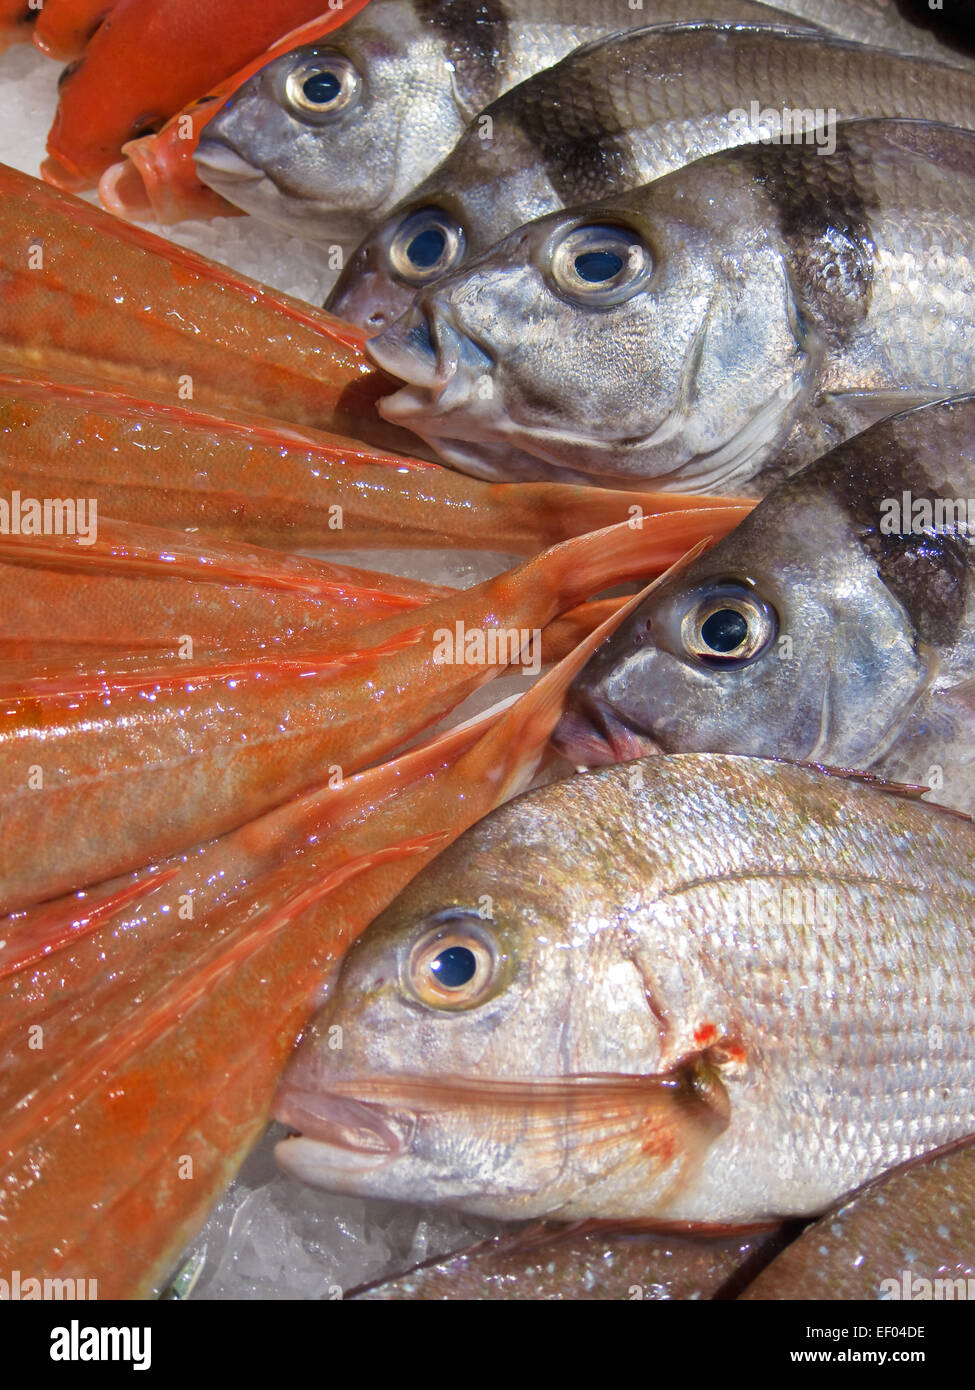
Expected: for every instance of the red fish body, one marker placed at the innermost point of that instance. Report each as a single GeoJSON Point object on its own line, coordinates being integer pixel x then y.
{"type": "Point", "coordinates": [113, 771]}
{"type": "Point", "coordinates": [148, 60]}
{"type": "Point", "coordinates": [87, 297]}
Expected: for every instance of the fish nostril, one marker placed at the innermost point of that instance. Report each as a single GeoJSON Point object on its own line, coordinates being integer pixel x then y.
{"type": "Point", "coordinates": [376, 321]}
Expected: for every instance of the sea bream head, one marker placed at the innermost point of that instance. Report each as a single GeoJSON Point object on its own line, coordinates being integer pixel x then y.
{"type": "Point", "coordinates": [328, 137]}
{"type": "Point", "coordinates": [599, 1003]}
{"type": "Point", "coordinates": [834, 625]}
{"type": "Point", "coordinates": [651, 336]}
{"type": "Point", "coordinates": [610, 116]}
{"type": "Point", "coordinates": [497, 1052]}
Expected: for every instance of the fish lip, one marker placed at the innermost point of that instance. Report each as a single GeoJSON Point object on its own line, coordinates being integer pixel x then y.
{"type": "Point", "coordinates": [437, 361]}
{"type": "Point", "coordinates": [214, 157]}
{"type": "Point", "coordinates": [358, 1132]}
{"type": "Point", "coordinates": [590, 734]}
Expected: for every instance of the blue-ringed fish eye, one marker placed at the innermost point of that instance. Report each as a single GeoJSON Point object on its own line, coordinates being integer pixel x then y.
{"type": "Point", "coordinates": [728, 625]}
{"type": "Point", "coordinates": [453, 965]}
{"type": "Point", "coordinates": [322, 85]}
{"type": "Point", "coordinates": [425, 245]}
{"type": "Point", "coordinates": [600, 265]}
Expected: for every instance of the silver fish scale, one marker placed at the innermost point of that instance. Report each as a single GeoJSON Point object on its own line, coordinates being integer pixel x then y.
{"type": "Point", "coordinates": [634, 107]}
{"type": "Point", "coordinates": [920, 328]}
{"type": "Point", "coordinates": [896, 1060]}
{"type": "Point", "coordinates": [648, 937]}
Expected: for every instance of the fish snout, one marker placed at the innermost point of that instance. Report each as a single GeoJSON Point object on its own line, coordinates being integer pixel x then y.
{"type": "Point", "coordinates": [365, 295]}
{"type": "Point", "coordinates": [350, 1132]}
{"type": "Point", "coordinates": [439, 364]}
{"type": "Point", "coordinates": [591, 735]}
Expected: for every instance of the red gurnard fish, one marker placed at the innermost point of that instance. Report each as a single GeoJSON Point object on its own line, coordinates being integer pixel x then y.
{"type": "Point", "coordinates": [112, 771]}
{"type": "Point", "coordinates": [133, 589]}
{"type": "Point", "coordinates": [157, 179]}
{"type": "Point", "coordinates": [71, 609]}
{"type": "Point", "coordinates": [90, 298]}
{"type": "Point", "coordinates": [63, 27]}
{"type": "Point", "coordinates": [17, 19]}
{"type": "Point", "coordinates": [253, 479]}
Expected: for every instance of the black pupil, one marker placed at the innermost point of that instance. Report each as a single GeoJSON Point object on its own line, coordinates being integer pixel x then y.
{"type": "Point", "coordinates": [454, 967]}
{"type": "Point", "coordinates": [321, 87]}
{"type": "Point", "coordinates": [427, 247]}
{"type": "Point", "coordinates": [597, 266]}
{"type": "Point", "coordinates": [725, 630]}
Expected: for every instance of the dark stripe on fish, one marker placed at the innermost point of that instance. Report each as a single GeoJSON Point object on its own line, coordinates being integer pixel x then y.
{"type": "Point", "coordinates": [823, 214]}
{"type": "Point", "coordinates": [476, 39]}
{"type": "Point", "coordinates": [581, 145]}
{"type": "Point", "coordinates": [928, 574]}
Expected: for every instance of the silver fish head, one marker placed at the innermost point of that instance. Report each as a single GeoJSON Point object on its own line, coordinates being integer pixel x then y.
{"type": "Point", "coordinates": [310, 142]}
{"type": "Point", "coordinates": [408, 252]}
{"type": "Point", "coordinates": [482, 192]}
{"type": "Point", "coordinates": [688, 988]}
{"type": "Point", "coordinates": [489, 1045]}
{"type": "Point", "coordinates": [806, 634]}
{"type": "Point", "coordinates": [654, 336]}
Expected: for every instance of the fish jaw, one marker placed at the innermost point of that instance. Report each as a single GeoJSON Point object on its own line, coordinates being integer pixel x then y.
{"type": "Point", "coordinates": [570, 1147]}
{"type": "Point", "coordinates": [218, 163]}
{"type": "Point", "coordinates": [590, 734]}
{"type": "Point", "coordinates": [366, 294]}
{"type": "Point", "coordinates": [335, 1134]}
{"type": "Point", "coordinates": [444, 371]}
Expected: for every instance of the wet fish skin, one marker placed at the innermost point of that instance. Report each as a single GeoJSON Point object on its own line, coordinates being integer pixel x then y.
{"type": "Point", "coordinates": [917, 1224]}
{"type": "Point", "coordinates": [939, 34]}
{"type": "Point", "coordinates": [741, 1059]}
{"type": "Point", "coordinates": [619, 114]}
{"type": "Point", "coordinates": [864, 641]}
{"type": "Point", "coordinates": [425, 68]}
{"type": "Point", "coordinates": [769, 302]}
{"type": "Point", "coordinates": [593, 1266]}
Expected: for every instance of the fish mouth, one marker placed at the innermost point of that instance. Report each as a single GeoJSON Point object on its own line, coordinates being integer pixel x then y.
{"type": "Point", "coordinates": [590, 735]}
{"type": "Point", "coordinates": [345, 1133]}
{"type": "Point", "coordinates": [214, 159]}
{"type": "Point", "coordinates": [437, 361]}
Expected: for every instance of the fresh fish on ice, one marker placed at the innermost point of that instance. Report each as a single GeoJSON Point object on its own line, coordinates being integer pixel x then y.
{"type": "Point", "coordinates": [713, 329]}
{"type": "Point", "coordinates": [696, 989]}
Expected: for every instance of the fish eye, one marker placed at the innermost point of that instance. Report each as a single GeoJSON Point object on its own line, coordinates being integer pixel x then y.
{"type": "Point", "coordinates": [322, 85]}
{"type": "Point", "coordinates": [425, 246]}
{"type": "Point", "coordinates": [454, 964]}
{"type": "Point", "coordinates": [600, 265]}
{"type": "Point", "coordinates": [729, 625]}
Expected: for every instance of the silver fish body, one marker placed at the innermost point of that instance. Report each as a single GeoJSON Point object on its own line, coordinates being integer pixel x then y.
{"type": "Point", "coordinates": [700, 989]}
{"type": "Point", "coordinates": [618, 114]}
{"type": "Point", "coordinates": [324, 140]}
{"type": "Point", "coordinates": [711, 330]}
{"type": "Point", "coordinates": [943, 34]}
{"type": "Point", "coordinates": [835, 625]}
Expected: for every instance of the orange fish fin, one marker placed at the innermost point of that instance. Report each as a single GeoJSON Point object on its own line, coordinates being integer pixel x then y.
{"type": "Point", "coordinates": [29, 937]}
